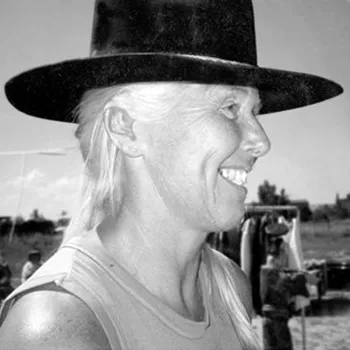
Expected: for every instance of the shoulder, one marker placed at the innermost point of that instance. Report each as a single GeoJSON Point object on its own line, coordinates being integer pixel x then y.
{"type": "Point", "coordinates": [46, 319]}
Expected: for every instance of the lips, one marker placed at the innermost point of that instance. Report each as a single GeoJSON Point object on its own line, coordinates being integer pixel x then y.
{"type": "Point", "coordinates": [234, 176]}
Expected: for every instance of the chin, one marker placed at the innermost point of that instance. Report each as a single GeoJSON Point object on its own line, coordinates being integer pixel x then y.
{"type": "Point", "coordinates": [227, 208]}
{"type": "Point", "coordinates": [229, 219]}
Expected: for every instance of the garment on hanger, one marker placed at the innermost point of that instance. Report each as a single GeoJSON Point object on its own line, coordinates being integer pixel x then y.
{"type": "Point", "coordinates": [295, 258]}
{"type": "Point", "coordinates": [257, 258]}
{"type": "Point", "coordinates": [292, 238]}
{"type": "Point", "coordinates": [246, 248]}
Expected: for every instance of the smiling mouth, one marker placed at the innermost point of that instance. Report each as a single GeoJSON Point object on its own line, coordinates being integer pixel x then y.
{"type": "Point", "coordinates": [235, 176]}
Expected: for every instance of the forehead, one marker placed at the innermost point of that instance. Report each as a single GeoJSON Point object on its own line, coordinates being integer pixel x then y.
{"type": "Point", "coordinates": [216, 95]}
{"type": "Point", "coordinates": [243, 93]}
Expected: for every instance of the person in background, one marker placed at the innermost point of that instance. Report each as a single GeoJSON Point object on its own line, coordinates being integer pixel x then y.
{"type": "Point", "coordinates": [5, 277]}
{"type": "Point", "coordinates": [31, 265]}
{"type": "Point", "coordinates": [167, 109]}
{"type": "Point", "coordinates": [278, 287]}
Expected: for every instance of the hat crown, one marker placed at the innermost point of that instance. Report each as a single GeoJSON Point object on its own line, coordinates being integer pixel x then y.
{"type": "Point", "coordinates": [222, 29]}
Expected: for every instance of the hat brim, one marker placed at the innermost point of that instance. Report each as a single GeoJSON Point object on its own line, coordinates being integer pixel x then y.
{"type": "Point", "coordinates": [53, 91]}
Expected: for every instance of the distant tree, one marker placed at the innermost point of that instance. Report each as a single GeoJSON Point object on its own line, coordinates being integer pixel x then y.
{"type": "Point", "coordinates": [5, 225]}
{"type": "Point", "coordinates": [267, 193]}
{"type": "Point", "coordinates": [19, 220]}
{"type": "Point", "coordinates": [304, 209]}
{"type": "Point", "coordinates": [283, 198]}
{"type": "Point", "coordinates": [341, 211]}
{"type": "Point", "coordinates": [337, 199]}
{"type": "Point", "coordinates": [33, 226]}
{"type": "Point", "coordinates": [36, 216]}
{"type": "Point", "coordinates": [322, 213]}
{"type": "Point", "coordinates": [64, 220]}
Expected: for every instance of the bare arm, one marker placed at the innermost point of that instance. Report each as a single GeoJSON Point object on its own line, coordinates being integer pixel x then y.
{"type": "Point", "coordinates": [52, 320]}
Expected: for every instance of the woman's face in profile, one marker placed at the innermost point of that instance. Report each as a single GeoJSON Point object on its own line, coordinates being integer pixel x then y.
{"type": "Point", "coordinates": [204, 152]}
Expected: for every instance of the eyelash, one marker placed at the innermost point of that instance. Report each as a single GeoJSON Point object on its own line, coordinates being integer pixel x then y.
{"type": "Point", "coordinates": [234, 108]}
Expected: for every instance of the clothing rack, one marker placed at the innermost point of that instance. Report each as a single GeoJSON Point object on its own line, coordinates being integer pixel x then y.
{"type": "Point", "coordinates": [271, 209]}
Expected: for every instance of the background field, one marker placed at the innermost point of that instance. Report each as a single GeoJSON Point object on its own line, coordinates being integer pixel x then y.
{"type": "Point", "coordinates": [327, 324]}
{"type": "Point", "coordinates": [320, 241]}
{"type": "Point", "coordinates": [326, 240]}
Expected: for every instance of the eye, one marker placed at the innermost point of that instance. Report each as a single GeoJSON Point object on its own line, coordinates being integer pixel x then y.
{"type": "Point", "coordinates": [231, 110]}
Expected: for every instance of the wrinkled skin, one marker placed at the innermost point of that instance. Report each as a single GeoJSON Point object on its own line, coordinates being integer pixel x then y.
{"type": "Point", "coordinates": [185, 151]}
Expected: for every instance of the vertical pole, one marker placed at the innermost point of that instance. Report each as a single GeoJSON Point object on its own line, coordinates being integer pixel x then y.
{"type": "Point", "coordinates": [19, 198]}
{"type": "Point", "coordinates": [303, 326]}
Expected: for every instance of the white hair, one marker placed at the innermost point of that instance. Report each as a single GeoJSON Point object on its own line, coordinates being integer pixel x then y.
{"type": "Point", "coordinates": [102, 190]}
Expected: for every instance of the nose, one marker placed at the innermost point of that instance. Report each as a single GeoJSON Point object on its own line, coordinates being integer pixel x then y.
{"type": "Point", "coordinates": [254, 139]}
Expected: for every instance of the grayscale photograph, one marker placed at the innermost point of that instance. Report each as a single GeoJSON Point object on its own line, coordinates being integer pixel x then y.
{"type": "Point", "coordinates": [175, 175]}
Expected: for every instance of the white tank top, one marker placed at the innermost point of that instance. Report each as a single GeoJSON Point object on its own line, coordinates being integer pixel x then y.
{"type": "Point", "coordinates": [129, 314]}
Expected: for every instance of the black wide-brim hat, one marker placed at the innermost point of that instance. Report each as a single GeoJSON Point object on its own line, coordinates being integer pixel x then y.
{"type": "Point", "coordinates": [134, 41]}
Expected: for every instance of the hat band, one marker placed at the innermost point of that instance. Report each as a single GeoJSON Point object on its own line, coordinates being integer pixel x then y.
{"type": "Point", "coordinates": [98, 53]}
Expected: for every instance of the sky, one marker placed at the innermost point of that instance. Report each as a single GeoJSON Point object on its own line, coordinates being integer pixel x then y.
{"type": "Point", "coordinates": [310, 146]}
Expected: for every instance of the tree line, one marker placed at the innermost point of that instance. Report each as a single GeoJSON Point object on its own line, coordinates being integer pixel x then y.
{"type": "Point", "coordinates": [35, 223]}
{"type": "Point", "coordinates": [268, 194]}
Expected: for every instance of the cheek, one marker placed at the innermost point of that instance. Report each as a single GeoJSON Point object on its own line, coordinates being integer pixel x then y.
{"type": "Point", "coordinates": [224, 135]}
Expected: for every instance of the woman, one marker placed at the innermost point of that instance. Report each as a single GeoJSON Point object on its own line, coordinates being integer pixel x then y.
{"type": "Point", "coordinates": [167, 112]}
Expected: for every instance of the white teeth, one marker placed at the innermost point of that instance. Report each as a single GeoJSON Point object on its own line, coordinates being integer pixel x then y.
{"type": "Point", "coordinates": [236, 176]}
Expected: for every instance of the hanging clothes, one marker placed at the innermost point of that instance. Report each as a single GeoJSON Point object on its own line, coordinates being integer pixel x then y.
{"type": "Point", "coordinates": [246, 248]}
{"type": "Point", "coordinates": [233, 251]}
{"type": "Point", "coordinates": [295, 258]}
{"type": "Point", "coordinates": [258, 256]}
{"type": "Point", "coordinates": [292, 238]}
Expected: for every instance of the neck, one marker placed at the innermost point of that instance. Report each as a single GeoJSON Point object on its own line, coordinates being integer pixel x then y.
{"type": "Point", "coordinates": [162, 254]}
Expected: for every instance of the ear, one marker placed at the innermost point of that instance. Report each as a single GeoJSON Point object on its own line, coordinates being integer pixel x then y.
{"type": "Point", "coordinates": [119, 127]}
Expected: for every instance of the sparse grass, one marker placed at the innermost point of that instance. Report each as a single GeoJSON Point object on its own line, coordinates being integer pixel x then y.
{"type": "Point", "coordinates": [322, 333]}
{"type": "Point", "coordinates": [335, 227]}
{"type": "Point", "coordinates": [326, 328]}
{"type": "Point", "coordinates": [326, 241]}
